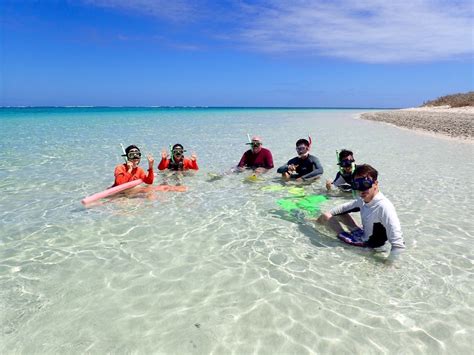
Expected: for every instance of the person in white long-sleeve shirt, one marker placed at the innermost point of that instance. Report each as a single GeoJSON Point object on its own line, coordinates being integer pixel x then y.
{"type": "Point", "coordinates": [379, 219]}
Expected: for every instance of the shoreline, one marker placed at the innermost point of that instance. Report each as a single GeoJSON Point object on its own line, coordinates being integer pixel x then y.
{"type": "Point", "coordinates": [441, 121]}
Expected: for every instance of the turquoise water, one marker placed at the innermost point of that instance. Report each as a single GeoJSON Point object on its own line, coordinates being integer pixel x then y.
{"type": "Point", "coordinates": [221, 268]}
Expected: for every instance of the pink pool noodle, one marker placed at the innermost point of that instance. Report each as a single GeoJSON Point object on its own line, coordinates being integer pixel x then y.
{"type": "Point", "coordinates": [111, 191]}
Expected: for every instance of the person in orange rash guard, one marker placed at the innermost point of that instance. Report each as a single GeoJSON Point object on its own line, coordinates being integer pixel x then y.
{"type": "Point", "coordinates": [177, 162]}
{"type": "Point", "coordinates": [131, 171]}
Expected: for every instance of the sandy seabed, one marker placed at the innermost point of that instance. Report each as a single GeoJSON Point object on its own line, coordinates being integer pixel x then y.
{"type": "Point", "coordinates": [443, 120]}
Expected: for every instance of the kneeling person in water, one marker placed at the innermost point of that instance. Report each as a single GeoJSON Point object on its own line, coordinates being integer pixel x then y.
{"type": "Point", "coordinates": [130, 170]}
{"type": "Point", "coordinates": [177, 161]}
{"type": "Point", "coordinates": [257, 158]}
{"type": "Point", "coordinates": [379, 218]}
{"type": "Point", "coordinates": [304, 167]}
{"type": "Point", "coordinates": [343, 179]}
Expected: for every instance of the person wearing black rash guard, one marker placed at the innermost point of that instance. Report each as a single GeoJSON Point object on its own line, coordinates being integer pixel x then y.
{"type": "Point", "coordinates": [343, 179]}
{"type": "Point", "coordinates": [379, 219]}
{"type": "Point", "coordinates": [304, 167]}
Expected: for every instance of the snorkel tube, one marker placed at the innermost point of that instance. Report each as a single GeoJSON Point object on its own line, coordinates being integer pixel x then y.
{"type": "Point", "coordinates": [124, 153]}
{"type": "Point", "coordinates": [171, 152]}
{"type": "Point", "coordinates": [338, 160]}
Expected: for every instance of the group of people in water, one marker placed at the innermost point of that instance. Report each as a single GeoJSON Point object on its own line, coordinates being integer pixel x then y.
{"type": "Point", "coordinates": [380, 222]}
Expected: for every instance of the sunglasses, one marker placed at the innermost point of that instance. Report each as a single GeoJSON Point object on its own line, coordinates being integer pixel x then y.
{"type": "Point", "coordinates": [362, 184]}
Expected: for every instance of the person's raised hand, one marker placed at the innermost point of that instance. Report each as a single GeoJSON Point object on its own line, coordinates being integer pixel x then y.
{"type": "Point", "coordinates": [193, 156]}
{"type": "Point", "coordinates": [164, 154]}
{"type": "Point", "coordinates": [151, 160]}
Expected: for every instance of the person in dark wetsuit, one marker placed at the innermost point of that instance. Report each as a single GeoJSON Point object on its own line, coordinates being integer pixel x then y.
{"type": "Point", "coordinates": [304, 167]}
{"type": "Point", "coordinates": [343, 179]}
{"type": "Point", "coordinates": [257, 158]}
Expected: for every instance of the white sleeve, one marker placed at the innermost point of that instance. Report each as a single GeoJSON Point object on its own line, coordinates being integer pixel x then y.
{"type": "Point", "coordinates": [346, 207]}
{"type": "Point", "coordinates": [391, 223]}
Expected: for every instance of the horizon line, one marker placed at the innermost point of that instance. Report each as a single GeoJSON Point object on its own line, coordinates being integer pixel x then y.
{"type": "Point", "coordinates": [205, 107]}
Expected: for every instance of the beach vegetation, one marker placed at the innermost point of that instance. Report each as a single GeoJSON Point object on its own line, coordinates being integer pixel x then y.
{"type": "Point", "coordinates": [455, 100]}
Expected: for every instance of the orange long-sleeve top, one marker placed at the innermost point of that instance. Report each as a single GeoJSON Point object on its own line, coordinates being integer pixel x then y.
{"type": "Point", "coordinates": [122, 175]}
{"type": "Point", "coordinates": [187, 164]}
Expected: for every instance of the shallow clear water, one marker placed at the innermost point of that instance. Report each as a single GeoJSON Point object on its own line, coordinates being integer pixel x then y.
{"type": "Point", "coordinates": [221, 268]}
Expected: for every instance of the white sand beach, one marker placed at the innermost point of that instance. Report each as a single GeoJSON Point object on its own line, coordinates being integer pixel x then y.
{"type": "Point", "coordinates": [444, 120]}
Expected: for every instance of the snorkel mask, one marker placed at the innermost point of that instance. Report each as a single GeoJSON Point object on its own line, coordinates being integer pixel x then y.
{"type": "Point", "coordinates": [345, 163]}
{"type": "Point", "coordinates": [178, 152]}
{"type": "Point", "coordinates": [131, 153]}
{"type": "Point", "coordinates": [302, 150]}
{"type": "Point", "coordinates": [362, 184]}
{"type": "Point", "coordinates": [303, 146]}
{"type": "Point", "coordinates": [254, 144]}
{"type": "Point", "coordinates": [134, 155]}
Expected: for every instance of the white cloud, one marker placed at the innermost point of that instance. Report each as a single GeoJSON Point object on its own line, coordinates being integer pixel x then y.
{"type": "Point", "coordinates": [366, 31]}
{"type": "Point", "coordinates": [373, 31]}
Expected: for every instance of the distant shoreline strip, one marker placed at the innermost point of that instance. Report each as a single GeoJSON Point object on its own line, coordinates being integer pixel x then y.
{"type": "Point", "coordinates": [449, 122]}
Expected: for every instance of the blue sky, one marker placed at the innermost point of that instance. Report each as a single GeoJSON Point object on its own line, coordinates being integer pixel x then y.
{"type": "Point", "coordinates": [321, 53]}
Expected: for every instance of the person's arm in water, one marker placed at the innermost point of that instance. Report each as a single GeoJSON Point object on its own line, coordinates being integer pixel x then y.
{"type": "Point", "coordinates": [243, 161]}
{"type": "Point", "coordinates": [164, 163]}
{"type": "Point", "coordinates": [268, 160]}
{"type": "Point", "coordinates": [283, 169]}
{"type": "Point", "coordinates": [317, 169]}
{"type": "Point", "coordinates": [346, 207]}
{"type": "Point", "coordinates": [329, 183]}
{"type": "Point", "coordinates": [288, 169]}
{"type": "Point", "coordinates": [391, 223]}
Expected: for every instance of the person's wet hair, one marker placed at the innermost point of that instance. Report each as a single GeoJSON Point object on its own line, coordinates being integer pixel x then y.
{"type": "Point", "coordinates": [302, 141]}
{"type": "Point", "coordinates": [343, 154]}
{"type": "Point", "coordinates": [366, 170]}
{"type": "Point", "coordinates": [130, 147]}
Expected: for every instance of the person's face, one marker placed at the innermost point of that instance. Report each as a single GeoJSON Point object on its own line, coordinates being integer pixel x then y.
{"type": "Point", "coordinates": [134, 156]}
{"type": "Point", "coordinates": [178, 153]}
{"type": "Point", "coordinates": [346, 164]}
{"type": "Point", "coordinates": [302, 150]}
{"type": "Point", "coordinates": [363, 182]}
{"type": "Point", "coordinates": [256, 146]}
